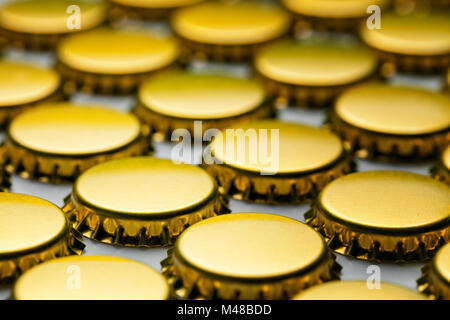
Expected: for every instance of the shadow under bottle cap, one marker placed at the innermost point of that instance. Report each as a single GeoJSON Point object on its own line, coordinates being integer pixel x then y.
{"type": "Point", "coordinates": [142, 201]}
{"type": "Point", "coordinates": [441, 171]}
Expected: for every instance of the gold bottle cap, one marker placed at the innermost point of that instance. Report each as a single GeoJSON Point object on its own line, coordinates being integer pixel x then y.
{"type": "Point", "coordinates": [56, 142]}
{"type": "Point", "coordinates": [33, 230]}
{"type": "Point", "coordinates": [96, 60]}
{"type": "Point", "coordinates": [156, 3]}
{"type": "Point", "coordinates": [358, 290]}
{"type": "Point", "coordinates": [392, 122]}
{"type": "Point", "coordinates": [91, 278]}
{"type": "Point", "coordinates": [279, 162]}
{"type": "Point", "coordinates": [142, 201]}
{"type": "Point", "coordinates": [435, 280]}
{"type": "Point", "coordinates": [39, 24]}
{"type": "Point", "coordinates": [248, 256]}
{"type": "Point", "coordinates": [441, 171]}
{"type": "Point", "coordinates": [331, 8]}
{"type": "Point", "coordinates": [312, 72]}
{"type": "Point", "coordinates": [23, 85]}
{"type": "Point", "coordinates": [329, 14]}
{"type": "Point", "coordinates": [146, 10]}
{"type": "Point", "coordinates": [175, 99]}
{"type": "Point", "coordinates": [412, 43]}
{"type": "Point", "coordinates": [383, 215]}
{"type": "Point", "coordinates": [220, 30]}
{"type": "Point", "coordinates": [448, 79]}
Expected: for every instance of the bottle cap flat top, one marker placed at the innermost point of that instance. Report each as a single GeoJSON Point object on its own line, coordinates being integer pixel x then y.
{"type": "Point", "coordinates": [358, 290]}
{"type": "Point", "coordinates": [250, 246]}
{"type": "Point", "coordinates": [300, 148]}
{"type": "Point", "coordinates": [200, 96]}
{"type": "Point", "coordinates": [333, 8]}
{"type": "Point", "coordinates": [103, 51]}
{"type": "Point", "coordinates": [394, 110]}
{"type": "Point", "coordinates": [315, 63]}
{"type": "Point", "coordinates": [393, 201]}
{"type": "Point", "coordinates": [100, 278]}
{"type": "Point", "coordinates": [414, 34]}
{"type": "Point", "coordinates": [67, 129]}
{"type": "Point", "coordinates": [50, 16]}
{"type": "Point", "coordinates": [144, 187]}
{"type": "Point", "coordinates": [442, 263]}
{"type": "Point", "coordinates": [236, 23]}
{"type": "Point", "coordinates": [156, 4]}
{"type": "Point", "coordinates": [23, 83]}
{"type": "Point", "coordinates": [28, 223]}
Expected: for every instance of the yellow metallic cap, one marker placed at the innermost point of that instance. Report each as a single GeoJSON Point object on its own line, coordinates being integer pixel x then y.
{"type": "Point", "coordinates": [331, 15]}
{"type": "Point", "coordinates": [418, 42]}
{"type": "Point", "coordinates": [56, 142]}
{"type": "Point", "coordinates": [91, 278]}
{"type": "Point", "coordinates": [383, 215]}
{"type": "Point", "coordinates": [39, 24]}
{"type": "Point", "coordinates": [312, 72]}
{"type": "Point", "coordinates": [392, 122]}
{"type": "Point", "coordinates": [32, 230]}
{"type": "Point", "coordinates": [270, 161]}
{"type": "Point", "coordinates": [332, 8]}
{"type": "Point", "coordinates": [23, 85]}
{"type": "Point", "coordinates": [145, 9]}
{"type": "Point", "coordinates": [248, 256]}
{"type": "Point", "coordinates": [175, 99]}
{"type": "Point", "coordinates": [5, 175]}
{"type": "Point", "coordinates": [448, 80]}
{"type": "Point", "coordinates": [441, 171]}
{"type": "Point", "coordinates": [435, 280]}
{"type": "Point", "coordinates": [156, 3]}
{"type": "Point", "coordinates": [358, 290]}
{"type": "Point", "coordinates": [142, 201]}
{"type": "Point", "coordinates": [221, 30]}
{"type": "Point", "coordinates": [97, 60]}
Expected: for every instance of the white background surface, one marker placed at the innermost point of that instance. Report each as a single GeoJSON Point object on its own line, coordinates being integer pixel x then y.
{"type": "Point", "coordinates": [403, 274]}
